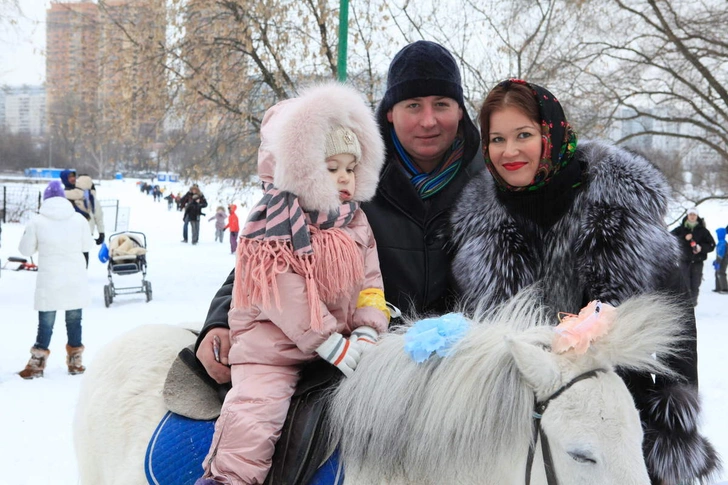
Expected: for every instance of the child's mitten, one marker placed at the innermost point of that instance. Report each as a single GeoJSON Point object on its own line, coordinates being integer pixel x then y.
{"type": "Point", "coordinates": [340, 352]}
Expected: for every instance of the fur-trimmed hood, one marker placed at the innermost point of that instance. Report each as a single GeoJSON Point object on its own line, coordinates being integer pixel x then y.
{"type": "Point", "coordinates": [292, 155]}
{"type": "Point", "coordinates": [611, 244]}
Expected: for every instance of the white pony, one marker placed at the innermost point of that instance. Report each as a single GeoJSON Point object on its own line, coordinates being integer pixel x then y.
{"type": "Point", "coordinates": [466, 418]}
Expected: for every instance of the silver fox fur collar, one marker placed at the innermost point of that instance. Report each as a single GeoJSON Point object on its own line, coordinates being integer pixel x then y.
{"type": "Point", "coordinates": [611, 243]}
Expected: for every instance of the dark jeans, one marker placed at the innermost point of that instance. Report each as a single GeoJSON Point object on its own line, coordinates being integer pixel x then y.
{"type": "Point", "coordinates": [45, 328]}
{"type": "Point", "coordinates": [195, 231]}
{"type": "Point", "coordinates": [721, 284]}
{"type": "Point", "coordinates": [184, 229]}
{"type": "Point", "coordinates": [693, 276]}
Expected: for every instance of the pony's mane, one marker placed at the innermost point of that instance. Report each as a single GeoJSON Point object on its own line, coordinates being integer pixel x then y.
{"type": "Point", "coordinates": [434, 415]}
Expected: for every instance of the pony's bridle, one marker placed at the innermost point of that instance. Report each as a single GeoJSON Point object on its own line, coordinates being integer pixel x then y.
{"type": "Point", "coordinates": [539, 409]}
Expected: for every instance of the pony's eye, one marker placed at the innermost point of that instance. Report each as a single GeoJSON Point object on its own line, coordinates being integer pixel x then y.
{"type": "Point", "coordinates": [582, 457]}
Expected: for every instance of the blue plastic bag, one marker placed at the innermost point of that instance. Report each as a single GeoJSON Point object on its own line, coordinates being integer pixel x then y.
{"type": "Point", "coordinates": [104, 253]}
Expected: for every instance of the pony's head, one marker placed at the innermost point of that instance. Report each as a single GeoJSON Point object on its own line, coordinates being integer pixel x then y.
{"type": "Point", "coordinates": [583, 408]}
{"type": "Point", "coordinates": [468, 417]}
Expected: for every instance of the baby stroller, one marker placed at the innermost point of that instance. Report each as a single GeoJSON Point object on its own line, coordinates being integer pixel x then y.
{"type": "Point", "coordinates": [127, 255]}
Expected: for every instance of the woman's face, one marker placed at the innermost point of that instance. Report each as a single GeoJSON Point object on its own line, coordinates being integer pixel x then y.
{"type": "Point", "coordinates": [514, 146]}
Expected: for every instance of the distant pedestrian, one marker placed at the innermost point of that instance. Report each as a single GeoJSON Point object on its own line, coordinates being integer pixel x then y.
{"type": "Point", "coordinates": [60, 236]}
{"type": "Point", "coordinates": [220, 226]}
{"type": "Point", "coordinates": [696, 242]}
{"type": "Point", "coordinates": [721, 262]}
{"type": "Point", "coordinates": [170, 201]}
{"type": "Point", "coordinates": [193, 202]}
{"type": "Point", "coordinates": [234, 226]}
{"type": "Point", "coordinates": [81, 191]}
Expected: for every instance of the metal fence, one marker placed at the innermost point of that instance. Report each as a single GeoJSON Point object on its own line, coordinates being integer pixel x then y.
{"type": "Point", "coordinates": [22, 200]}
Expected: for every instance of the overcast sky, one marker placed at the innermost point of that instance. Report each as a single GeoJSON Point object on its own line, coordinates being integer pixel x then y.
{"type": "Point", "coordinates": [22, 44]}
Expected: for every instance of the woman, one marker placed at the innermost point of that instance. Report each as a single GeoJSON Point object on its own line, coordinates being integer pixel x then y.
{"type": "Point", "coordinates": [578, 223]}
{"type": "Point", "coordinates": [60, 236]}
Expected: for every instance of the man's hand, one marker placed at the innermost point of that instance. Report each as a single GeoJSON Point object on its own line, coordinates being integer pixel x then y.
{"type": "Point", "coordinates": [206, 354]}
{"type": "Point", "coordinates": [100, 239]}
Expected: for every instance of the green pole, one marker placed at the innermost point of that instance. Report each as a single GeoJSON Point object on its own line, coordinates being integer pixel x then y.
{"type": "Point", "coordinates": [343, 34]}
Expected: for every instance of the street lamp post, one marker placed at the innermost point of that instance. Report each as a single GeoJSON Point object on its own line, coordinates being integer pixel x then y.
{"type": "Point", "coordinates": [343, 35]}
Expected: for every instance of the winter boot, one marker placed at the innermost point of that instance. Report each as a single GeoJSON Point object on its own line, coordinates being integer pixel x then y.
{"type": "Point", "coordinates": [74, 360]}
{"type": "Point", "coordinates": [36, 364]}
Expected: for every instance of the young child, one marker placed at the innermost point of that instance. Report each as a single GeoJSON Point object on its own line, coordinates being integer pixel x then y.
{"type": "Point", "coordinates": [308, 283]}
{"type": "Point", "coordinates": [234, 227]}
{"type": "Point", "coordinates": [220, 226]}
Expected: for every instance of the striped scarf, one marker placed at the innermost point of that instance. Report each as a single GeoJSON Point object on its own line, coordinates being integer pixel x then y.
{"type": "Point", "coordinates": [279, 235]}
{"type": "Point", "coordinates": [428, 184]}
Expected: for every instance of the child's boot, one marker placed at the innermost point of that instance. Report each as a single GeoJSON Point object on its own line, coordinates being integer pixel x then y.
{"type": "Point", "coordinates": [74, 359]}
{"type": "Point", "coordinates": [36, 364]}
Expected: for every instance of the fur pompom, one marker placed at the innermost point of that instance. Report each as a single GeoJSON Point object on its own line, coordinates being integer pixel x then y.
{"type": "Point", "coordinates": [674, 450]}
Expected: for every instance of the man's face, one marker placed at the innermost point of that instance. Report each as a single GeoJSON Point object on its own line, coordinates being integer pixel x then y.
{"type": "Point", "coordinates": [426, 127]}
{"type": "Point", "coordinates": [72, 178]}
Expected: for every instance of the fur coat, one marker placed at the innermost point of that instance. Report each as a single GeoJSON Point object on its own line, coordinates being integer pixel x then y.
{"type": "Point", "coordinates": [610, 243]}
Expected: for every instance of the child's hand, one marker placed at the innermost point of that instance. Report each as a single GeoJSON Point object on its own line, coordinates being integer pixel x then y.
{"type": "Point", "coordinates": [365, 336]}
{"type": "Point", "coordinates": [340, 352]}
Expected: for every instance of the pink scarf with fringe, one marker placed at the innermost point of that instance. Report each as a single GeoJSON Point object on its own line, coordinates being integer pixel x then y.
{"type": "Point", "coordinates": [279, 236]}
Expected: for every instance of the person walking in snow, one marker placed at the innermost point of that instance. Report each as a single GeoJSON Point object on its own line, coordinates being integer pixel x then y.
{"type": "Point", "coordinates": [192, 203]}
{"type": "Point", "coordinates": [60, 236]}
{"type": "Point", "coordinates": [81, 191]}
{"type": "Point", "coordinates": [307, 280]}
{"type": "Point", "coordinates": [234, 226]}
{"type": "Point", "coordinates": [696, 242]}
{"type": "Point", "coordinates": [220, 219]}
{"type": "Point", "coordinates": [721, 262]}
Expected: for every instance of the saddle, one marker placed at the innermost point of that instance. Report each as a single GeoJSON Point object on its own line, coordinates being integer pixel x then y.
{"type": "Point", "coordinates": [303, 445]}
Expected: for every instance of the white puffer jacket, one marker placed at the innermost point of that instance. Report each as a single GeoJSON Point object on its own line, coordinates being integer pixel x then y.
{"type": "Point", "coordinates": [60, 236]}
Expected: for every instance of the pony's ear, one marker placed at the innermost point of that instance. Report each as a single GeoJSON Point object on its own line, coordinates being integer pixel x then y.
{"type": "Point", "coordinates": [539, 367]}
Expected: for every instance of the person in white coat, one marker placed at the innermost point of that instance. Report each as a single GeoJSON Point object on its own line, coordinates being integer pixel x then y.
{"type": "Point", "coordinates": [60, 236]}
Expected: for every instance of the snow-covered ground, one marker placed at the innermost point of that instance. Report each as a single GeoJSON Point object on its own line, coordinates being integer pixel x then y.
{"type": "Point", "coordinates": [36, 416]}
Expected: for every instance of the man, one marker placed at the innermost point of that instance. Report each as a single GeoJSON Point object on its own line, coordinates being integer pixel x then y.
{"type": "Point", "coordinates": [433, 149]}
{"type": "Point", "coordinates": [81, 191]}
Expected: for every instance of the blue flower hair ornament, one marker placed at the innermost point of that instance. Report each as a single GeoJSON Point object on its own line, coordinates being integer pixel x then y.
{"type": "Point", "coordinates": [437, 334]}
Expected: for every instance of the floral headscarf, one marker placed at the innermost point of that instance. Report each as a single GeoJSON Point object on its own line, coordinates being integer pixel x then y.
{"type": "Point", "coordinates": [559, 140]}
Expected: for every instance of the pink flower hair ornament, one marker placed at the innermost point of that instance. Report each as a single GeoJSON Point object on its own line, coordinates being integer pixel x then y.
{"type": "Point", "coordinates": [579, 331]}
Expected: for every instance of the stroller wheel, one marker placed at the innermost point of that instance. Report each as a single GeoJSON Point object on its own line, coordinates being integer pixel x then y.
{"type": "Point", "coordinates": [107, 296]}
{"type": "Point", "coordinates": [149, 291]}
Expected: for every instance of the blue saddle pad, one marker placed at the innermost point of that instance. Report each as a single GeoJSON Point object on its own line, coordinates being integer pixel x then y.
{"type": "Point", "coordinates": [179, 445]}
{"type": "Point", "coordinates": [176, 450]}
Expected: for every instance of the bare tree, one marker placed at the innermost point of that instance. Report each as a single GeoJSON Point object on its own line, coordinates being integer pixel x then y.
{"type": "Point", "coordinates": [666, 61]}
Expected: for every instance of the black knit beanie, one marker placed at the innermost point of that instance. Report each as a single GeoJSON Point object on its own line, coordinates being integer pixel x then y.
{"type": "Point", "coordinates": [421, 69]}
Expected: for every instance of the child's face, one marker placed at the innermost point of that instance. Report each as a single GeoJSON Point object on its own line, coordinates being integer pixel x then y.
{"type": "Point", "coordinates": [341, 171]}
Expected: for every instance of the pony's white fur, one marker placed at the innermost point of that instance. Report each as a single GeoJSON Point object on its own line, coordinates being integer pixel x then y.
{"type": "Point", "coordinates": [461, 419]}
{"type": "Point", "coordinates": [120, 403]}
{"type": "Point", "coordinates": [467, 418]}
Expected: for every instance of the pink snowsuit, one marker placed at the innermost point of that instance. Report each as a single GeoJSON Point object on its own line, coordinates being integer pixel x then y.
{"type": "Point", "coordinates": [267, 350]}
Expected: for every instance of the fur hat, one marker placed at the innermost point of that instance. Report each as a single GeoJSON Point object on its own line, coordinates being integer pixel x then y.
{"type": "Point", "coordinates": [293, 140]}
{"type": "Point", "coordinates": [54, 189]}
{"type": "Point", "coordinates": [420, 69]}
{"type": "Point", "coordinates": [342, 140]}
{"type": "Point", "coordinates": [693, 210]}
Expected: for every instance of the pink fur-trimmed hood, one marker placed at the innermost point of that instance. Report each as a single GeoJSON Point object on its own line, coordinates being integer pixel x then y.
{"type": "Point", "coordinates": [291, 153]}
